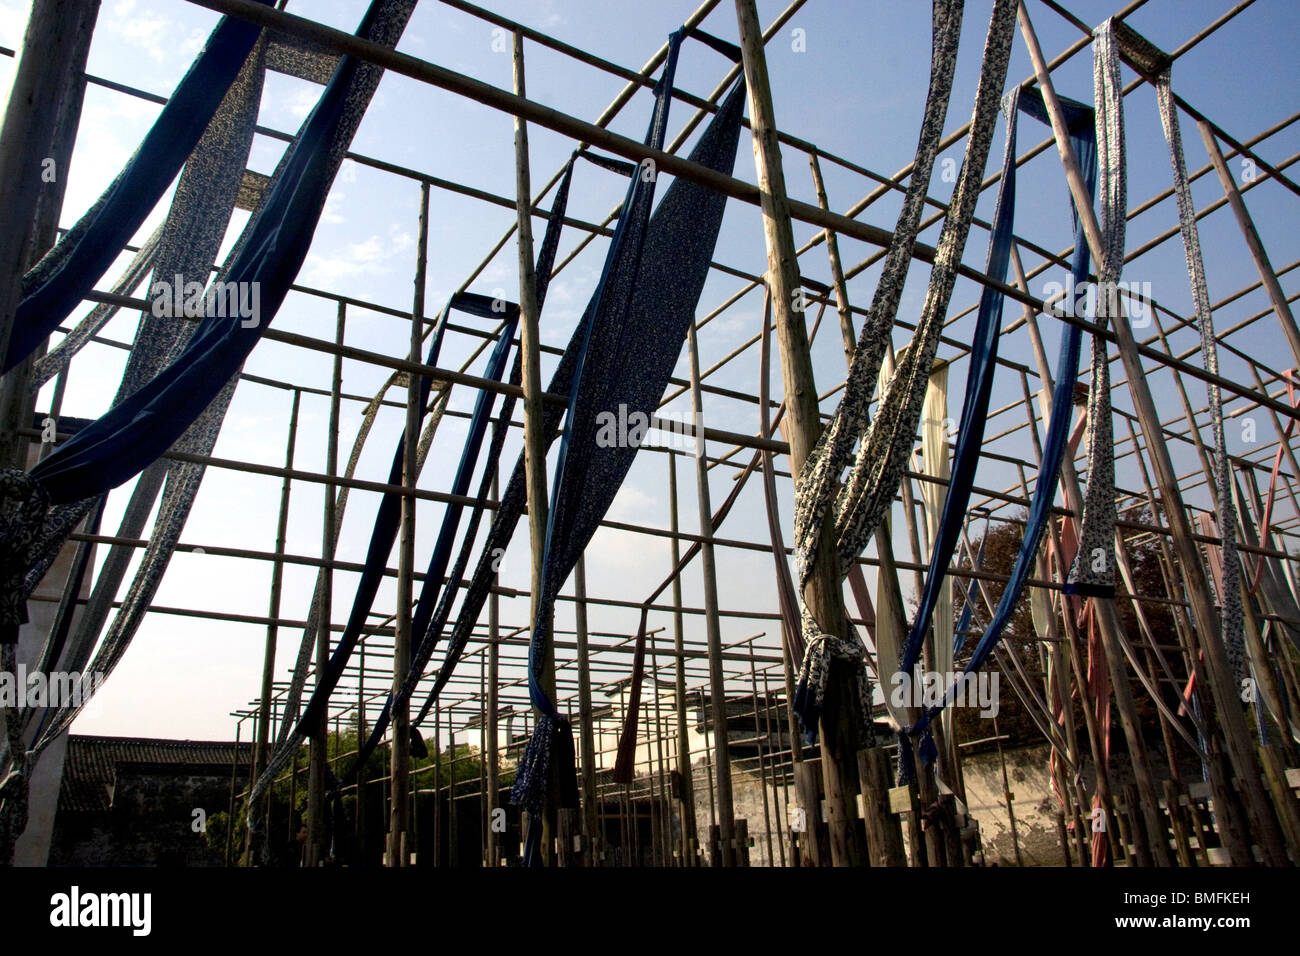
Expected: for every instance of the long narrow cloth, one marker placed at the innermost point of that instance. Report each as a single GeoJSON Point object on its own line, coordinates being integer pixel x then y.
{"type": "Point", "coordinates": [53, 287]}
{"type": "Point", "coordinates": [433, 607]}
{"type": "Point", "coordinates": [625, 762]}
{"type": "Point", "coordinates": [141, 428]}
{"type": "Point", "coordinates": [654, 274]}
{"type": "Point", "coordinates": [1099, 509]}
{"type": "Point", "coordinates": [1230, 594]}
{"type": "Point", "coordinates": [881, 459]}
{"type": "Point", "coordinates": [1080, 123]}
{"type": "Point", "coordinates": [725, 125]}
{"type": "Point", "coordinates": [383, 535]}
{"type": "Point", "coordinates": [187, 246]}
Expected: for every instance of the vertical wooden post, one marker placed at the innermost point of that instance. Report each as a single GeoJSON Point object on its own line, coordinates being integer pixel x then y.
{"type": "Point", "coordinates": [884, 830]}
{"type": "Point", "coordinates": [589, 827]}
{"type": "Point", "coordinates": [40, 127]}
{"type": "Point", "coordinates": [823, 596]}
{"type": "Point", "coordinates": [1227, 705]}
{"type": "Point", "coordinates": [690, 840]}
{"type": "Point", "coordinates": [494, 705]}
{"type": "Point", "coordinates": [400, 753]}
{"type": "Point", "coordinates": [272, 629]}
{"type": "Point", "coordinates": [534, 449]}
{"type": "Point", "coordinates": [1267, 275]}
{"type": "Point", "coordinates": [717, 679]}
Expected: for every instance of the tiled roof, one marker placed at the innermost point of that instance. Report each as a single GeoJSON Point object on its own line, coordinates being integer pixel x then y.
{"type": "Point", "coordinates": [92, 762]}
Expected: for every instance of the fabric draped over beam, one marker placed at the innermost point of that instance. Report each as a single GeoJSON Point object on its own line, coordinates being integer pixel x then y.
{"type": "Point", "coordinates": [1230, 601]}
{"type": "Point", "coordinates": [60, 280]}
{"type": "Point", "coordinates": [433, 607]}
{"type": "Point", "coordinates": [188, 245]}
{"type": "Point", "coordinates": [382, 538]}
{"type": "Point", "coordinates": [712, 151]}
{"type": "Point", "coordinates": [1083, 138]}
{"type": "Point", "coordinates": [629, 342]}
{"type": "Point", "coordinates": [886, 442]}
{"type": "Point", "coordinates": [140, 428]}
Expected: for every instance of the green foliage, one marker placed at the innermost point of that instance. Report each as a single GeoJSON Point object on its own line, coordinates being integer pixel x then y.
{"type": "Point", "coordinates": [285, 807]}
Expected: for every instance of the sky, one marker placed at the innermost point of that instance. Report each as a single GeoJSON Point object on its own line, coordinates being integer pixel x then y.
{"type": "Point", "coordinates": [853, 81]}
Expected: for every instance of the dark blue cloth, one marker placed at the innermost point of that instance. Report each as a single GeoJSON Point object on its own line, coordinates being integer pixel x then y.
{"type": "Point", "coordinates": [56, 284]}
{"type": "Point", "coordinates": [975, 406]}
{"type": "Point", "coordinates": [1080, 120]}
{"type": "Point", "coordinates": [387, 521]}
{"type": "Point", "coordinates": [639, 318]}
{"type": "Point", "coordinates": [136, 432]}
{"type": "Point", "coordinates": [433, 607]}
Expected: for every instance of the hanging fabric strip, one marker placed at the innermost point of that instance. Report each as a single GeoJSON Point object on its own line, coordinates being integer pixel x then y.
{"type": "Point", "coordinates": [267, 259]}
{"type": "Point", "coordinates": [198, 384]}
{"type": "Point", "coordinates": [54, 286]}
{"type": "Point", "coordinates": [57, 359]}
{"type": "Point", "coordinates": [685, 227]}
{"type": "Point", "coordinates": [433, 607]}
{"type": "Point", "coordinates": [387, 521]}
{"type": "Point", "coordinates": [432, 585]}
{"type": "Point", "coordinates": [1230, 596]}
{"type": "Point", "coordinates": [818, 482]}
{"type": "Point", "coordinates": [1092, 573]}
{"type": "Point", "coordinates": [624, 766]}
{"type": "Point", "coordinates": [261, 268]}
{"type": "Point", "coordinates": [1079, 119]}
{"type": "Point", "coordinates": [307, 645]}
{"type": "Point", "coordinates": [654, 275]}
{"type": "Point", "coordinates": [188, 245]}
{"type": "Point", "coordinates": [881, 459]}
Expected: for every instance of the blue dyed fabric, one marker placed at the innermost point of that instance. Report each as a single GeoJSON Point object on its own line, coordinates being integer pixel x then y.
{"type": "Point", "coordinates": [141, 428]}
{"type": "Point", "coordinates": [630, 340]}
{"type": "Point", "coordinates": [61, 279]}
{"type": "Point", "coordinates": [1079, 118]}
{"type": "Point", "coordinates": [433, 607]}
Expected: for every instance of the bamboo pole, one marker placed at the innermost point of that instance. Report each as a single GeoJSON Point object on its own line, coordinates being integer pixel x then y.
{"type": "Point", "coordinates": [590, 829]}
{"type": "Point", "coordinates": [534, 440]}
{"type": "Point", "coordinates": [493, 707]}
{"type": "Point", "coordinates": [717, 679]}
{"type": "Point", "coordinates": [1267, 275]}
{"type": "Point", "coordinates": [823, 596]}
{"type": "Point", "coordinates": [690, 838]}
{"type": "Point", "coordinates": [36, 142]}
{"type": "Point", "coordinates": [1228, 707]}
{"type": "Point", "coordinates": [400, 754]}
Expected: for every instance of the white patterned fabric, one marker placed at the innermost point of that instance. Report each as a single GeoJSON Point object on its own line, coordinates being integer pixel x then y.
{"type": "Point", "coordinates": [1230, 593]}
{"type": "Point", "coordinates": [887, 441]}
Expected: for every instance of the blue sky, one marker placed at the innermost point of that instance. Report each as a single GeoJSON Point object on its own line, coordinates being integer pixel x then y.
{"type": "Point", "coordinates": [857, 90]}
